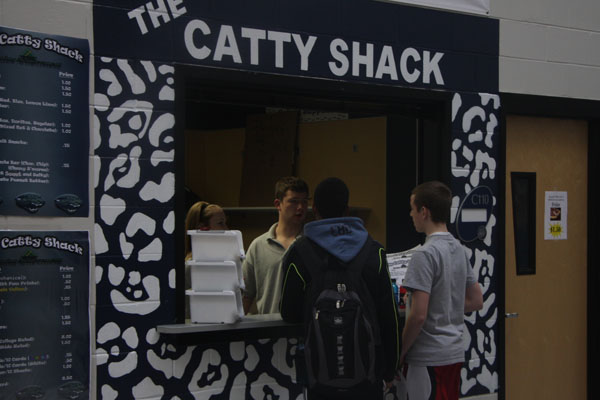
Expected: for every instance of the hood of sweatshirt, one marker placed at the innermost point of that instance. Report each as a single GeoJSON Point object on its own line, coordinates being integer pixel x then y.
{"type": "Point", "coordinates": [342, 237]}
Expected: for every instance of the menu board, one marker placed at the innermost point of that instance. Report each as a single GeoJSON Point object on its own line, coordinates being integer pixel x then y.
{"type": "Point", "coordinates": [44, 124]}
{"type": "Point", "coordinates": [44, 320]}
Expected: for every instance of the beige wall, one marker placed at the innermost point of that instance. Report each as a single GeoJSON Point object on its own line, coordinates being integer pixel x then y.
{"type": "Point", "coordinates": [549, 47]}
{"type": "Point", "coordinates": [353, 150]}
{"type": "Point", "coordinates": [214, 165]}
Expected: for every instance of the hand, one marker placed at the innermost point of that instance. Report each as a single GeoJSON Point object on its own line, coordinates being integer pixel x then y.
{"type": "Point", "coordinates": [387, 386]}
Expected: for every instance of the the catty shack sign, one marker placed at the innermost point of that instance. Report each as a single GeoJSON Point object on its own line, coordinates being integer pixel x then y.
{"type": "Point", "coordinates": [354, 40]}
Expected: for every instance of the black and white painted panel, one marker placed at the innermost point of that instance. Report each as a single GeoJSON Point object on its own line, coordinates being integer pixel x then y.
{"type": "Point", "coordinates": [474, 159]}
{"type": "Point", "coordinates": [134, 185]}
{"type": "Point", "coordinates": [135, 279]}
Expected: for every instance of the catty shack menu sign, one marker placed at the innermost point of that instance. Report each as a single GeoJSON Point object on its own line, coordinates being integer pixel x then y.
{"type": "Point", "coordinates": [44, 322]}
{"type": "Point", "coordinates": [44, 124]}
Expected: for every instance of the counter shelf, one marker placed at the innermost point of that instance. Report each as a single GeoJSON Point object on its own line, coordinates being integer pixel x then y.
{"type": "Point", "coordinates": [261, 326]}
{"type": "Point", "coordinates": [249, 327]}
{"type": "Point", "coordinates": [273, 210]}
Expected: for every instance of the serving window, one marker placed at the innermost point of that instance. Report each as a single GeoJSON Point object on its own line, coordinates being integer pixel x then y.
{"type": "Point", "coordinates": [243, 131]}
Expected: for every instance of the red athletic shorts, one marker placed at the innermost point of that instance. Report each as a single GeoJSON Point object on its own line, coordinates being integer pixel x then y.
{"type": "Point", "coordinates": [432, 383]}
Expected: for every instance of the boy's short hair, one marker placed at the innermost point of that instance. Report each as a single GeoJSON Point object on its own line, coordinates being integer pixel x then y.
{"type": "Point", "coordinates": [331, 198]}
{"type": "Point", "coordinates": [436, 197]}
{"type": "Point", "coordinates": [292, 183]}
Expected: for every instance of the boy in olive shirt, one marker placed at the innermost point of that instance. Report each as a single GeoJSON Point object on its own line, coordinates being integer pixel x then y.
{"type": "Point", "coordinates": [262, 266]}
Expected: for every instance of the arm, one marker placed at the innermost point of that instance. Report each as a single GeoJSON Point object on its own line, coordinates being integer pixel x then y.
{"type": "Point", "coordinates": [249, 293]}
{"type": "Point", "coordinates": [247, 303]}
{"type": "Point", "coordinates": [293, 287]}
{"type": "Point", "coordinates": [387, 316]}
{"type": "Point", "coordinates": [419, 305]}
{"type": "Point", "coordinates": [473, 298]}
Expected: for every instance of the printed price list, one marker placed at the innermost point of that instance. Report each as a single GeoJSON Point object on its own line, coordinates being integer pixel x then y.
{"type": "Point", "coordinates": [44, 133]}
{"type": "Point", "coordinates": [44, 331]}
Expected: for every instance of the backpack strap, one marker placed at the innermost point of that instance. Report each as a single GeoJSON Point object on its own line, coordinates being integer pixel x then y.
{"type": "Point", "coordinates": [307, 251]}
{"type": "Point", "coordinates": [358, 265]}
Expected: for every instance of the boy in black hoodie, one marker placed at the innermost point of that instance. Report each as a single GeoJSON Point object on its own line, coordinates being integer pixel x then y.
{"type": "Point", "coordinates": [335, 234]}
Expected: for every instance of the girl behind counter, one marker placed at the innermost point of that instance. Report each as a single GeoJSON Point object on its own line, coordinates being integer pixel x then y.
{"type": "Point", "coordinates": [205, 217]}
{"type": "Point", "coordinates": [201, 216]}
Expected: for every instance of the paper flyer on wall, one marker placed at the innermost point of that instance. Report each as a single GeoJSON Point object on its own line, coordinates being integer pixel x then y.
{"type": "Point", "coordinates": [398, 264]}
{"type": "Point", "coordinates": [555, 216]}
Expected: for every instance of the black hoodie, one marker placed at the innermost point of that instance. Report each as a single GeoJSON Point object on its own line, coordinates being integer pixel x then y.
{"type": "Point", "coordinates": [334, 236]}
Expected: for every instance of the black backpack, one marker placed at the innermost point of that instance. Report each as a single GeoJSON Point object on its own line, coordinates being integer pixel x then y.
{"type": "Point", "coordinates": [341, 330]}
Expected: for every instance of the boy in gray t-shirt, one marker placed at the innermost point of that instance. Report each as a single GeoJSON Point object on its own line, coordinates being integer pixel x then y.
{"type": "Point", "coordinates": [442, 287]}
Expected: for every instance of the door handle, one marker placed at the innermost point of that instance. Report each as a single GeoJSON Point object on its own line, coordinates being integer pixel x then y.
{"type": "Point", "coordinates": [511, 315]}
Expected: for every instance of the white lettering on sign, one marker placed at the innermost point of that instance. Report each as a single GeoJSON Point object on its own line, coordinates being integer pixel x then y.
{"type": "Point", "coordinates": [199, 53]}
{"type": "Point", "coordinates": [365, 59]}
{"type": "Point", "coordinates": [35, 43]}
{"type": "Point", "coordinates": [432, 66]}
{"type": "Point", "coordinates": [227, 44]}
{"type": "Point", "coordinates": [242, 45]}
{"type": "Point", "coordinates": [337, 47]}
{"type": "Point", "coordinates": [20, 40]}
{"type": "Point", "coordinates": [255, 36]}
{"type": "Point", "coordinates": [364, 55]}
{"type": "Point", "coordinates": [387, 64]}
{"type": "Point", "coordinates": [304, 49]}
{"type": "Point", "coordinates": [410, 77]}
{"type": "Point", "coordinates": [279, 38]}
{"type": "Point", "coordinates": [156, 13]}
{"type": "Point", "coordinates": [480, 199]}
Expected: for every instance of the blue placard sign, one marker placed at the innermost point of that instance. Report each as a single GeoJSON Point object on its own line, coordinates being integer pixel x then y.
{"type": "Point", "coordinates": [44, 318]}
{"type": "Point", "coordinates": [474, 214]}
{"type": "Point", "coordinates": [44, 124]}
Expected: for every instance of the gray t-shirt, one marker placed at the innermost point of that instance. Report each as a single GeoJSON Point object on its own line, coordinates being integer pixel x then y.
{"type": "Point", "coordinates": [263, 275]}
{"type": "Point", "coordinates": [441, 268]}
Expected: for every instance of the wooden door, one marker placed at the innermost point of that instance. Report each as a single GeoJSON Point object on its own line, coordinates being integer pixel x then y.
{"type": "Point", "coordinates": [545, 345]}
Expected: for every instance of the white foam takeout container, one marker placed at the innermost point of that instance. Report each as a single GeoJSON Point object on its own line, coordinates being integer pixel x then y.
{"type": "Point", "coordinates": [215, 275]}
{"type": "Point", "coordinates": [215, 307]}
{"type": "Point", "coordinates": [217, 245]}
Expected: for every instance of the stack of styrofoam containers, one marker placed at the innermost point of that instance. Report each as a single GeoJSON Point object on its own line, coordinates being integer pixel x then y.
{"type": "Point", "coordinates": [216, 276]}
